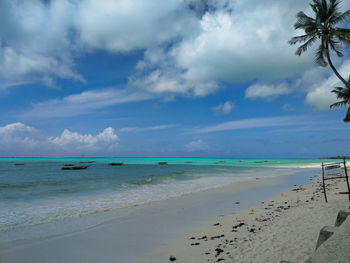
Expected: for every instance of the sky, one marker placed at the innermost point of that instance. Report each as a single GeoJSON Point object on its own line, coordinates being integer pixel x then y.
{"type": "Point", "coordinates": [155, 78]}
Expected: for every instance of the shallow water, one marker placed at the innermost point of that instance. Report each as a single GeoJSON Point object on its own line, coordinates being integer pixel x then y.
{"type": "Point", "coordinates": [40, 192]}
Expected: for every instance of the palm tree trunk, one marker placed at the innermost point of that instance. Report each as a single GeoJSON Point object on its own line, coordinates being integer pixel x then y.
{"type": "Point", "coordinates": [334, 69]}
{"type": "Point", "coordinates": [347, 117]}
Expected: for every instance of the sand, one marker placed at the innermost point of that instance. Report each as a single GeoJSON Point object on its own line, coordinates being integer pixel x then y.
{"type": "Point", "coordinates": [285, 227]}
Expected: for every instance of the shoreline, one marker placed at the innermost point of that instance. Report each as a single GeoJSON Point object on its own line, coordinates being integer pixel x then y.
{"type": "Point", "coordinates": [143, 230]}
{"type": "Point", "coordinates": [284, 227]}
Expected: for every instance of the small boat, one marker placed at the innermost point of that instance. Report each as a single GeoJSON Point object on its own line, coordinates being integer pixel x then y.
{"type": "Point", "coordinates": [74, 167]}
{"type": "Point", "coordinates": [116, 164]}
{"type": "Point", "coordinates": [162, 163]}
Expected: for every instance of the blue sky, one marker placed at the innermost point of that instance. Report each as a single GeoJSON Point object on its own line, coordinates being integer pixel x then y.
{"type": "Point", "coordinates": [164, 78]}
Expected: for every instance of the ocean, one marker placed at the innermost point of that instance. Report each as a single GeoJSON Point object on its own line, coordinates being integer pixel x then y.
{"type": "Point", "coordinates": [36, 191]}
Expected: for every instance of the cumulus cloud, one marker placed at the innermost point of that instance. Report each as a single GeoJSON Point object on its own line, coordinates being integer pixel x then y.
{"type": "Point", "coordinates": [319, 94]}
{"type": "Point", "coordinates": [224, 108]}
{"type": "Point", "coordinates": [197, 145]}
{"type": "Point", "coordinates": [190, 47]}
{"type": "Point", "coordinates": [127, 25]}
{"type": "Point", "coordinates": [18, 139]}
{"type": "Point", "coordinates": [268, 92]}
{"type": "Point", "coordinates": [34, 41]}
{"type": "Point", "coordinates": [74, 140]}
{"type": "Point", "coordinates": [235, 41]}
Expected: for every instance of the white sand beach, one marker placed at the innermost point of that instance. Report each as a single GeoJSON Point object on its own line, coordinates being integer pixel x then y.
{"type": "Point", "coordinates": [285, 227]}
{"type": "Point", "coordinates": [244, 222]}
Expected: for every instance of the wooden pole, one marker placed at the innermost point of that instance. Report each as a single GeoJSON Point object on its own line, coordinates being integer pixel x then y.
{"type": "Point", "coordinates": [324, 187]}
{"type": "Point", "coordinates": [347, 177]}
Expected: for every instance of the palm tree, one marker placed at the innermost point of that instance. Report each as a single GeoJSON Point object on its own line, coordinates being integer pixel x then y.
{"type": "Point", "coordinates": [323, 28]}
{"type": "Point", "coordinates": [344, 95]}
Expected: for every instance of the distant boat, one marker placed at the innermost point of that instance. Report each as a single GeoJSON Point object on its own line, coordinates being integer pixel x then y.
{"type": "Point", "coordinates": [68, 164]}
{"type": "Point", "coordinates": [19, 163]}
{"type": "Point", "coordinates": [117, 164]}
{"type": "Point", "coordinates": [74, 167]}
{"type": "Point", "coordinates": [88, 162]}
{"type": "Point", "coordinates": [162, 163]}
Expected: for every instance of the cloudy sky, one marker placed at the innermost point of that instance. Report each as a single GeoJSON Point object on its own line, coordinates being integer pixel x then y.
{"type": "Point", "coordinates": [167, 78]}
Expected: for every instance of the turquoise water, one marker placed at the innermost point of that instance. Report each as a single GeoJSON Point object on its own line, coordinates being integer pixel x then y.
{"type": "Point", "coordinates": [38, 191]}
{"type": "Point", "coordinates": [245, 162]}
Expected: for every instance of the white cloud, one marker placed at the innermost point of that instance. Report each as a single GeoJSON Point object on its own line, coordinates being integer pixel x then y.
{"type": "Point", "coordinates": [252, 123]}
{"type": "Point", "coordinates": [268, 92]}
{"type": "Point", "coordinates": [235, 41]}
{"type": "Point", "coordinates": [127, 25]}
{"type": "Point", "coordinates": [35, 41]}
{"type": "Point", "coordinates": [319, 93]}
{"type": "Point", "coordinates": [143, 129]}
{"type": "Point", "coordinates": [18, 139]}
{"type": "Point", "coordinates": [198, 145]}
{"type": "Point", "coordinates": [224, 108]}
{"type": "Point", "coordinates": [84, 103]}
{"type": "Point", "coordinates": [9, 129]}
{"type": "Point", "coordinates": [73, 140]}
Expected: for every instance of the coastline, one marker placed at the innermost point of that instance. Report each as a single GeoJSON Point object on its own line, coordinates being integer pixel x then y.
{"type": "Point", "coordinates": [143, 231]}
{"type": "Point", "coordinates": [284, 227]}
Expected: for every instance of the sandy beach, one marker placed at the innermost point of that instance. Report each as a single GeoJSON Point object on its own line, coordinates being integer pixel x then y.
{"type": "Point", "coordinates": [285, 227]}
{"type": "Point", "coordinates": [261, 220]}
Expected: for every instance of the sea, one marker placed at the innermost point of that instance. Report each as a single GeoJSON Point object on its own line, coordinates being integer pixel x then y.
{"type": "Point", "coordinates": [36, 191]}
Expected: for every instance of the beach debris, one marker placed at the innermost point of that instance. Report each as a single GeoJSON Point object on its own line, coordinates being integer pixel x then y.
{"type": "Point", "coordinates": [192, 238]}
{"type": "Point", "coordinates": [215, 237]}
{"type": "Point", "coordinates": [238, 225]}
{"type": "Point", "coordinates": [195, 244]}
{"type": "Point", "coordinates": [172, 258]}
{"type": "Point", "coordinates": [203, 237]}
{"type": "Point", "coordinates": [162, 163]}
{"type": "Point", "coordinates": [218, 252]}
{"type": "Point", "coordinates": [237, 203]}
{"type": "Point", "coordinates": [220, 259]}
{"type": "Point", "coordinates": [116, 164]}
{"type": "Point", "coordinates": [217, 224]}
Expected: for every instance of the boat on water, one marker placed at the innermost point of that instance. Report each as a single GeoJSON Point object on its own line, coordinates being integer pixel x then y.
{"type": "Point", "coordinates": [74, 167]}
{"type": "Point", "coordinates": [116, 164]}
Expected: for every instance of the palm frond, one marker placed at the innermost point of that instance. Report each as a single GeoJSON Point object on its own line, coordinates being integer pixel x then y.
{"type": "Point", "coordinates": [339, 104]}
{"type": "Point", "coordinates": [305, 46]}
{"type": "Point", "coordinates": [340, 18]}
{"type": "Point", "coordinates": [297, 39]}
{"type": "Point", "coordinates": [303, 21]}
